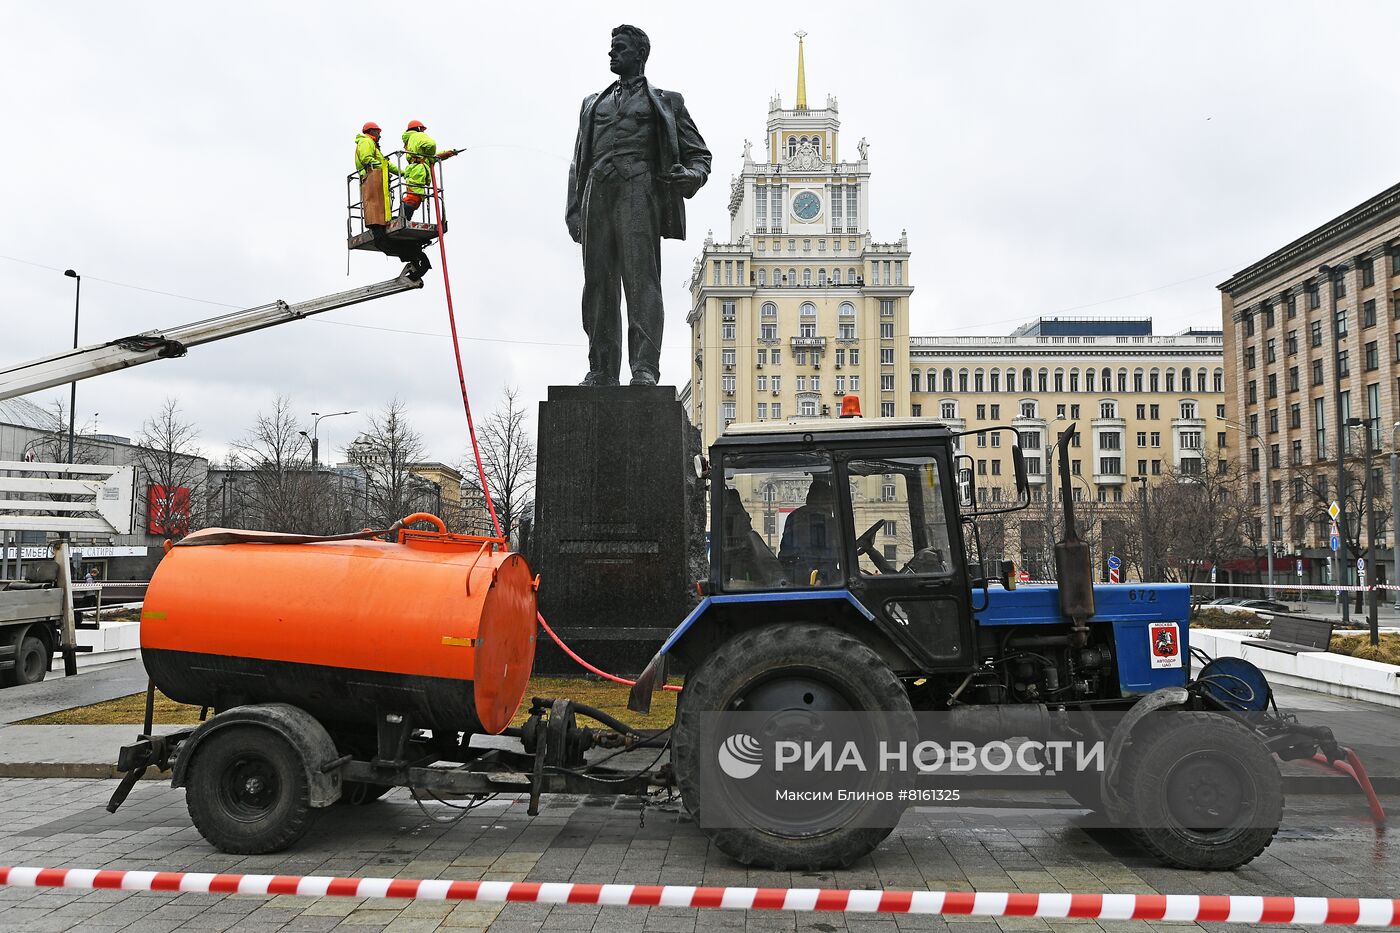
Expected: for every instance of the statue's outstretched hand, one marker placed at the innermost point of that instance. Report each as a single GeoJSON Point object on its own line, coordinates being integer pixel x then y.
{"type": "Point", "coordinates": [686, 177]}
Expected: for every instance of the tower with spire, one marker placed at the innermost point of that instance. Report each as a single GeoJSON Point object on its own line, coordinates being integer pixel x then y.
{"type": "Point", "coordinates": [800, 307]}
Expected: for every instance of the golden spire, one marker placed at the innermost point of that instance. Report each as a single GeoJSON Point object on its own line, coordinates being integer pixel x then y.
{"type": "Point", "coordinates": [801, 73]}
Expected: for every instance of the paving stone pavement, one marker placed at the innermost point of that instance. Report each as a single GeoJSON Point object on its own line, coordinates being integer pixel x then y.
{"type": "Point", "coordinates": [1327, 848]}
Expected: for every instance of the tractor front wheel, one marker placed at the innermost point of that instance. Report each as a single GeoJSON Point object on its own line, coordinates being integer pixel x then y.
{"type": "Point", "coordinates": [1201, 791]}
{"type": "Point", "coordinates": [790, 681]}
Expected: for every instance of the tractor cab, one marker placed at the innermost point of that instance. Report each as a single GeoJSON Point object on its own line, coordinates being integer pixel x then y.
{"type": "Point", "coordinates": [388, 208]}
{"type": "Point", "coordinates": [872, 512]}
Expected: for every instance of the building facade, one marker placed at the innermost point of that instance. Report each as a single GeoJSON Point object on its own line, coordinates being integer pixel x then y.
{"type": "Point", "coordinates": [1145, 405]}
{"type": "Point", "coordinates": [1312, 341]}
{"type": "Point", "coordinates": [800, 306]}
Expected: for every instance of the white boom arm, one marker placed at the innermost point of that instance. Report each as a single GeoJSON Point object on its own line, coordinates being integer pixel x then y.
{"type": "Point", "coordinates": [86, 362]}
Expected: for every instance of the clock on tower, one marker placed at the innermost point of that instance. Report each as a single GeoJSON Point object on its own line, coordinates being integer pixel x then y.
{"type": "Point", "coordinates": [806, 206]}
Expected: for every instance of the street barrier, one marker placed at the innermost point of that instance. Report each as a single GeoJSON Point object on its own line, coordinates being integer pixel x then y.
{"type": "Point", "coordinates": [1221, 908]}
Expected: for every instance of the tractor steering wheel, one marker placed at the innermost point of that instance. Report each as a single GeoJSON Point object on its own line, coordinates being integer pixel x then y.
{"type": "Point", "coordinates": [865, 544]}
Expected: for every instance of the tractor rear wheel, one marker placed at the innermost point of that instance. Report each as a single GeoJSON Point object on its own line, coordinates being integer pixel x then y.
{"type": "Point", "coordinates": [778, 681]}
{"type": "Point", "coordinates": [1201, 791]}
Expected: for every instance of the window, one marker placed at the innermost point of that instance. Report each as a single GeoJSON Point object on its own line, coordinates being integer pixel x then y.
{"type": "Point", "coordinates": [886, 382]}
{"type": "Point", "coordinates": [1372, 356]}
{"type": "Point", "coordinates": [887, 358]}
{"type": "Point", "coordinates": [1142, 438]}
{"type": "Point", "coordinates": [761, 383]}
{"type": "Point", "coordinates": [1291, 343]}
{"type": "Point", "coordinates": [1106, 410]}
{"type": "Point", "coordinates": [1290, 302]}
{"type": "Point", "coordinates": [805, 329]}
{"type": "Point", "coordinates": [777, 409]}
{"type": "Point", "coordinates": [1368, 313]}
{"type": "Point", "coordinates": [762, 411]}
{"type": "Point", "coordinates": [914, 380]}
{"type": "Point", "coordinates": [886, 331]}
{"type": "Point", "coordinates": [1272, 382]}
{"type": "Point", "coordinates": [950, 410]}
{"type": "Point", "coordinates": [1273, 420]}
{"type": "Point", "coordinates": [1028, 409]}
{"type": "Point", "coordinates": [1188, 410]}
{"type": "Point", "coordinates": [726, 331]}
{"type": "Point", "coordinates": [996, 439]}
{"type": "Point", "coordinates": [1029, 440]}
{"type": "Point", "coordinates": [1112, 466]}
{"type": "Point", "coordinates": [1249, 323]}
{"type": "Point", "coordinates": [1154, 412]}
{"type": "Point", "coordinates": [1315, 333]}
{"type": "Point", "coordinates": [1341, 322]}
{"type": "Point", "coordinates": [1220, 440]}
{"type": "Point", "coordinates": [996, 413]}
{"type": "Point", "coordinates": [1295, 415]}
{"type": "Point", "coordinates": [1297, 454]}
{"type": "Point", "coordinates": [981, 412]}
{"type": "Point", "coordinates": [1110, 440]}
{"type": "Point", "coordinates": [1156, 468]}
{"type": "Point", "coordinates": [1270, 351]}
{"type": "Point", "coordinates": [1317, 372]}
{"type": "Point", "coordinates": [803, 545]}
{"type": "Point", "coordinates": [1314, 296]}
{"type": "Point", "coordinates": [768, 332]}
{"type": "Point", "coordinates": [1339, 286]}
{"type": "Point", "coordinates": [886, 307]}
{"type": "Point", "coordinates": [769, 310]}
{"type": "Point", "coordinates": [1074, 412]}
{"type": "Point", "coordinates": [727, 356]}
{"type": "Point", "coordinates": [1142, 411]}
{"type": "Point", "coordinates": [1320, 428]}
{"type": "Point", "coordinates": [1156, 438]}
{"type": "Point", "coordinates": [887, 409]}
{"type": "Point", "coordinates": [1190, 440]}
{"type": "Point", "coordinates": [1343, 367]}
{"type": "Point", "coordinates": [1293, 379]}
{"type": "Point", "coordinates": [845, 331]}
{"type": "Point", "coordinates": [728, 383]}
{"type": "Point", "coordinates": [802, 383]}
{"type": "Point", "coordinates": [1248, 357]}
{"type": "Point", "coordinates": [1368, 272]}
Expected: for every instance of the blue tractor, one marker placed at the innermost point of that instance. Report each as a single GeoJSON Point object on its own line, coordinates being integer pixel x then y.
{"type": "Point", "coordinates": [846, 577]}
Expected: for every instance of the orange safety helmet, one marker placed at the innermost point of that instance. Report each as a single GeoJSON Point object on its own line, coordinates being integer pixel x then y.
{"type": "Point", "coordinates": [415, 125]}
{"type": "Point", "coordinates": [371, 125]}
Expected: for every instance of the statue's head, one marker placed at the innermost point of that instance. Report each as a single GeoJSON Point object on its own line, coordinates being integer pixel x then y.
{"type": "Point", "coordinates": [630, 48]}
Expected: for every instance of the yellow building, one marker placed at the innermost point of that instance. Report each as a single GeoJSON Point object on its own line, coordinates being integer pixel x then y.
{"type": "Point", "coordinates": [800, 307]}
{"type": "Point", "coordinates": [1145, 405]}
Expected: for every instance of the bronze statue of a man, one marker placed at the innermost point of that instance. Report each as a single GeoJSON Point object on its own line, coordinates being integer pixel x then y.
{"type": "Point", "coordinates": [637, 157]}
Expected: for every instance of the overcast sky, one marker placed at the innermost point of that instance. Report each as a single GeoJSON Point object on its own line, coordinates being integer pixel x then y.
{"type": "Point", "coordinates": [1088, 157]}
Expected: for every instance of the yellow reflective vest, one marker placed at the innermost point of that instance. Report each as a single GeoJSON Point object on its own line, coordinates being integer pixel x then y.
{"type": "Point", "coordinates": [368, 156]}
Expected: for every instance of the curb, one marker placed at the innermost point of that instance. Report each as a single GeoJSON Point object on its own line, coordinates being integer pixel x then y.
{"type": "Point", "coordinates": [1224, 908]}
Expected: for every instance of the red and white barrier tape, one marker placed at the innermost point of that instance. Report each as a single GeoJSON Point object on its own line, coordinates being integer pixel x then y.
{"type": "Point", "coordinates": [1367, 911]}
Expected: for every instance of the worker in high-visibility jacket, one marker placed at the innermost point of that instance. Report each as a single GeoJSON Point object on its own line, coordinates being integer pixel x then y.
{"type": "Point", "coordinates": [422, 153]}
{"type": "Point", "coordinates": [374, 171]}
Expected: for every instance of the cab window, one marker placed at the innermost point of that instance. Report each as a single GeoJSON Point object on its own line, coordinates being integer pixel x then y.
{"type": "Point", "coordinates": [778, 525]}
{"type": "Point", "coordinates": [898, 516]}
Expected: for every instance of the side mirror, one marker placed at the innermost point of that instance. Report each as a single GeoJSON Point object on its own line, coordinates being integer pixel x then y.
{"type": "Point", "coordinates": [1018, 464]}
{"type": "Point", "coordinates": [967, 482]}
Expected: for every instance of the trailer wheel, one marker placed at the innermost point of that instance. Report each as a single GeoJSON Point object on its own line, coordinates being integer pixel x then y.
{"type": "Point", "coordinates": [786, 669]}
{"type": "Point", "coordinates": [31, 660]}
{"type": "Point", "coordinates": [247, 791]}
{"type": "Point", "coordinates": [1202, 791]}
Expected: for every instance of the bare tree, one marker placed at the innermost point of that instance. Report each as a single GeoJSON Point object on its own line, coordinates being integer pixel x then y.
{"type": "Point", "coordinates": [508, 460]}
{"type": "Point", "coordinates": [275, 489]}
{"type": "Point", "coordinates": [386, 452]}
{"type": "Point", "coordinates": [52, 445]}
{"type": "Point", "coordinates": [173, 469]}
{"type": "Point", "coordinates": [1199, 517]}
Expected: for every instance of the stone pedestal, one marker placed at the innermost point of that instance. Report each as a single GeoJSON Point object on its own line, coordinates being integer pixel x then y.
{"type": "Point", "coordinates": [619, 533]}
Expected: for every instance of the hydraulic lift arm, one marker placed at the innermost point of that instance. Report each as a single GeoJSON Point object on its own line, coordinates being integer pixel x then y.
{"type": "Point", "coordinates": [85, 362]}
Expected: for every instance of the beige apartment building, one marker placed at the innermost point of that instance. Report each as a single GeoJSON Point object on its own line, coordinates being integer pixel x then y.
{"type": "Point", "coordinates": [800, 306]}
{"type": "Point", "coordinates": [1312, 340]}
{"type": "Point", "coordinates": [1145, 406]}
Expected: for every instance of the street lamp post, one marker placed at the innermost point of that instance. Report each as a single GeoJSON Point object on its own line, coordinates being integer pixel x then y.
{"type": "Point", "coordinates": [1268, 521]}
{"type": "Point", "coordinates": [73, 386]}
{"type": "Point", "coordinates": [1369, 505]}
{"type": "Point", "coordinates": [1394, 499]}
{"type": "Point", "coordinates": [1330, 275]}
{"type": "Point", "coordinates": [1146, 540]}
{"type": "Point", "coordinates": [316, 435]}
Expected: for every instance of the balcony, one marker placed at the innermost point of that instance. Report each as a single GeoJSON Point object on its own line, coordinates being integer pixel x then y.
{"type": "Point", "coordinates": [809, 343]}
{"type": "Point", "coordinates": [1110, 479]}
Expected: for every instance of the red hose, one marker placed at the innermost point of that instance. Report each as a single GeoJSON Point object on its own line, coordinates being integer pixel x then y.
{"type": "Point", "coordinates": [589, 667]}
{"type": "Point", "coordinates": [476, 449]}
{"type": "Point", "coordinates": [1353, 768]}
{"type": "Point", "coordinates": [457, 354]}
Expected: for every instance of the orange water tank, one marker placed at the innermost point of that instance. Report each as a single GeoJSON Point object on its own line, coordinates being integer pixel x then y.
{"type": "Point", "coordinates": [436, 626]}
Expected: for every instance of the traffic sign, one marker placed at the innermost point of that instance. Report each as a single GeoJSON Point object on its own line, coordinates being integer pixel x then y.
{"type": "Point", "coordinates": [1212, 575]}
{"type": "Point", "coordinates": [1113, 575]}
{"type": "Point", "coordinates": [1335, 543]}
{"type": "Point", "coordinates": [1361, 565]}
{"type": "Point", "coordinates": [1298, 566]}
{"type": "Point", "coordinates": [1334, 510]}
{"type": "Point", "coordinates": [1113, 562]}
{"type": "Point", "coordinates": [1024, 576]}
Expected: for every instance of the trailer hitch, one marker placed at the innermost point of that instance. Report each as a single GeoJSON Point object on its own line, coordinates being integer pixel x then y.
{"type": "Point", "coordinates": [134, 760]}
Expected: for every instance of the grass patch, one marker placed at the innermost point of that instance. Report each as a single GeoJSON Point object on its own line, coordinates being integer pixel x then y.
{"type": "Point", "coordinates": [609, 697]}
{"type": "Point", "coordinates": [1359, 646]}
{"type": "Point", "coordinates": [1210, 617]}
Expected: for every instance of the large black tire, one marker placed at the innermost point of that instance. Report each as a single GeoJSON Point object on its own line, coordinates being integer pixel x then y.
{"type": "Point", "coordinates": [750, 672]}
{"type": "Point", "coordinates": [1201, 791]}
{"type": "Point", "coordinates": [31, 660]}
{"type": "Point", "coordinates": [247, 791]}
